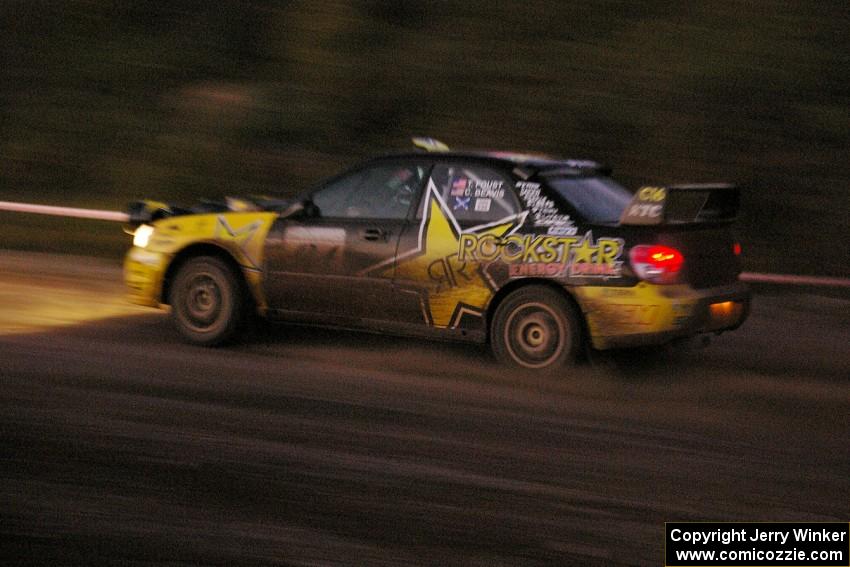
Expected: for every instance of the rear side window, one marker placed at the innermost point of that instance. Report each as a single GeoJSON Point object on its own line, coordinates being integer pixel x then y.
{"type": "Point", "coordinates": [475, 194]}
{"type": "Point", "coordinates": [597, 199]}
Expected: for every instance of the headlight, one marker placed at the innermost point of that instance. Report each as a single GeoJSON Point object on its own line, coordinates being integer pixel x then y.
{"type": "Point", "coordinates": [142, 235]}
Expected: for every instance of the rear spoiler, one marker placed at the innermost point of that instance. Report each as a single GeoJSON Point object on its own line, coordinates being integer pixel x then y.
{"type": "Point", "coordinates": [683, 204]}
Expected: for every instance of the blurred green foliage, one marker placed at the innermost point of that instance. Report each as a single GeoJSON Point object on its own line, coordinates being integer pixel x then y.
{"type": "Point", "coordinates": [106, 101]}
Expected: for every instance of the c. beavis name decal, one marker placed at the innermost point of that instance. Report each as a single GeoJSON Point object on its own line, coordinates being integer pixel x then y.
{"type": "Point", "coordinates": [544, 255]}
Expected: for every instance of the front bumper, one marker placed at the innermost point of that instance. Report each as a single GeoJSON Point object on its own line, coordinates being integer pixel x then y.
{"type": "Point", "coordinates": [649, 314]}
{"type": "Point", "coordinates": [144, 272]}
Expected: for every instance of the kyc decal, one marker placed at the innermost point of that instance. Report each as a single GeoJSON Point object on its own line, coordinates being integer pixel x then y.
{"type": "Point", "coordinates": [448, 287]}
{"type": "Point", "coordinates": [647, 206]}
{"type": "Point", "coordinates": [528, 254]}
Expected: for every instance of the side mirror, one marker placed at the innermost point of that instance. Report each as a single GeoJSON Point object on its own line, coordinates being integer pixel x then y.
{"type": "Point", "coordinates": [304, 209]}
{"type": "Point", "coordinates": [310, 210]}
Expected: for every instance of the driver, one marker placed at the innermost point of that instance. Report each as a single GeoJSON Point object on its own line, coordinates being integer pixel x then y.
{"type": "Point", "coordinates": [402, 185]}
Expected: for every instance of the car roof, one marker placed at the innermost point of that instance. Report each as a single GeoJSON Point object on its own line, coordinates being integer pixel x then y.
{"type": "Point", "coordinates": [529, 162]}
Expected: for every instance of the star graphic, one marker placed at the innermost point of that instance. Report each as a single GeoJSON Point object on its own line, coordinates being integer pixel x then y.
{"type": "Point", "coordinates": [584, 251]}
{"type": "Point", "coordinates": [241, 236]}
{"type": "Point", "coordinates": [448, 288]}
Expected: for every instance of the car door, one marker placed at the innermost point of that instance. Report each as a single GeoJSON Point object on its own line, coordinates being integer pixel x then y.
{"type": "Point", "coordinates": [435, 286]}
{"type": "Point", "coordinates": [338, 264]}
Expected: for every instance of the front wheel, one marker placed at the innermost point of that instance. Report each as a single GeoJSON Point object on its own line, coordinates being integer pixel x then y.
{"type": "Point", "coordinates": [535, 327]}
{"type": "Point", "coordinates": [207, 303]}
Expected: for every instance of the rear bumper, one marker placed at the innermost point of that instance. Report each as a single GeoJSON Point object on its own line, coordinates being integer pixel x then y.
{"type": "Point", "coordinates": [650, 314]}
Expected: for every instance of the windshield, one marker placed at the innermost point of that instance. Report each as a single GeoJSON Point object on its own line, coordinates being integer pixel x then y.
{"type": "Point", "coordinates": [597, 199]}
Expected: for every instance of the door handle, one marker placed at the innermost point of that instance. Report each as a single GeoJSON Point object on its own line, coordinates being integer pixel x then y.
{"type": "Point", "coordinates": [375, 234]}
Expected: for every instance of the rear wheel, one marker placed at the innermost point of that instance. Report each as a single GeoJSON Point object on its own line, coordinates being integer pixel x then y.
{"type": "Point", "coordinates": [535, 327]}
{"type": "Point", "coordinates": [207, 303]}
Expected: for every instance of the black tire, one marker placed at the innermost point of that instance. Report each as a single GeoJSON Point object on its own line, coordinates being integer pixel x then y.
{"type": "Point", "coordinates": [207, 301]}
{"type": "Point", "coordinates": [535, 327]}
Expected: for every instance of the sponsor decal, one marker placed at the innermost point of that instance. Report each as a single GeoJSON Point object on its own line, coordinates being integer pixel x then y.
{"type": "Point", "coordinates": [448, 267]}
{"type": "Point", "coordinates": [647, 206]}
{"type": "Point", "coordinates": [544, 212]}
{"type": "Point", "coordinates": [314, 235]}
{"type": "Point", "coordinates": [145, 257]}
{"type": "Point", "coordinates": [459, 186]}
{"type": "Point", "coordinates": [551, 270]}
{"type": "Point", "coordinates": [530, 254]}
{"type": "Point", "coordinates": [482, 205]}
{"type": "Point", "coordinates": [527, 186]}
{"type": "Point", "coordinates": [652, 194]}
{"type": "Point", "coordinates": [488, 189]}
{"type": "Point", "coordinates": [480, 189]}
{"type": "Point", "coordinates": [562, 230]}
{"type": "Point", "coordinates": [462, 204]}
{"type": "Point", "coordinates": [448, 287]}
{"type": "Point", "coordinates": [648, 202]}
{"type": "Point", "coordinates": [240, 236]}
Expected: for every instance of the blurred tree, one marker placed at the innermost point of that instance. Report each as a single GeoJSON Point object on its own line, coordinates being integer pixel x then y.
{"type": "Point", "coordinates": [105, 101]}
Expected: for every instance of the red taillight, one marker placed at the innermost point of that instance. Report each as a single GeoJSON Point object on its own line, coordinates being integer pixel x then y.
{"type": "Point", "coordinates": [656, 263]}
{"type": "Point", "coordinates": [736, 249]}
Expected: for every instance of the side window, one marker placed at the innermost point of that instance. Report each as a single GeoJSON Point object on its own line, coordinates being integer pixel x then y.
{"type": "Point", "coordinates": [475, 194]}
{"type": "Point", "coordinates": [332, 199]}
{"type": "Point", "coordinates": [381, 192]}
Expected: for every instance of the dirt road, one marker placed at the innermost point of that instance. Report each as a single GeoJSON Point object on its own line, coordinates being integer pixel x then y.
{"type": "Point", "coordinates": [122, 445]}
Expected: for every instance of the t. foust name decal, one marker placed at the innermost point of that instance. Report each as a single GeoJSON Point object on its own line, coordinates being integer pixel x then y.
{"type": "Point", "coordinates": [543, 255]}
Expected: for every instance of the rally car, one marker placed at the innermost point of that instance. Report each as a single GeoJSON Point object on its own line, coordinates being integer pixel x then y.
{"type": "Point", "coordinates": [538, 256]}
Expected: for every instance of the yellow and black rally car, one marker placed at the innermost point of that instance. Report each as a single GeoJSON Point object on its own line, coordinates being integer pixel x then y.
{"type": "Point", "coordinates": [537, 256]}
